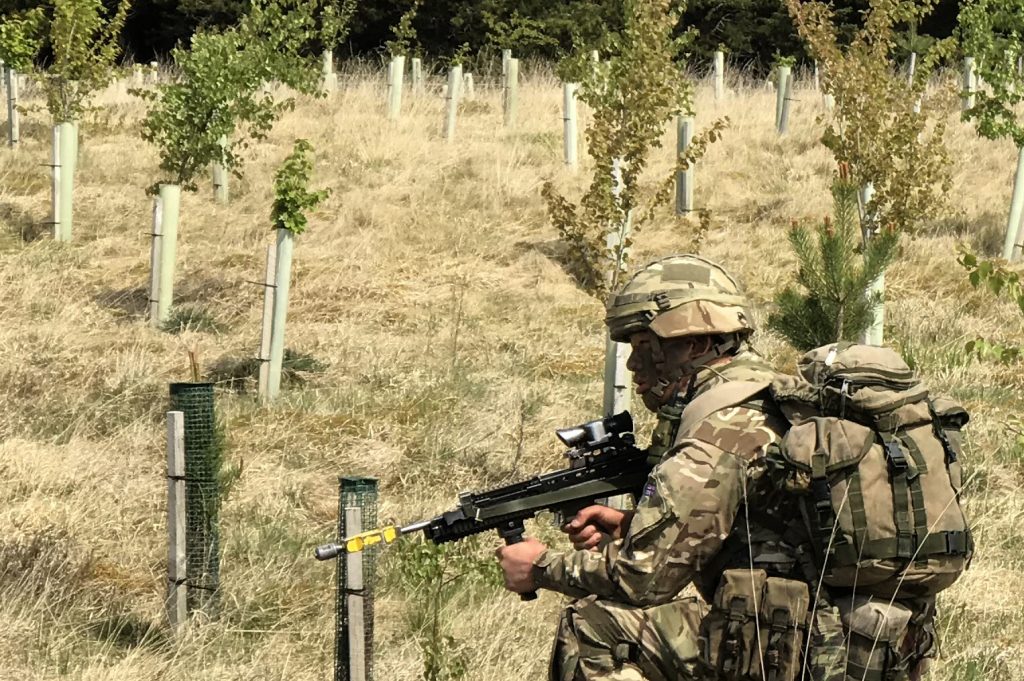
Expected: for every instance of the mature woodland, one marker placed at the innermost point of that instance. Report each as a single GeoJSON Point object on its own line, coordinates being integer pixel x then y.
{"type": "Point", "coordinates": [751, 31]}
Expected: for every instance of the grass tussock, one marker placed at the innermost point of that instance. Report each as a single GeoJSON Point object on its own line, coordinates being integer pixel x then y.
{"type": "Point", "coordinates": [437, 341]}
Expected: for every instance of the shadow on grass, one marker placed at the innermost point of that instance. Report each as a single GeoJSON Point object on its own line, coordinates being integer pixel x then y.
{"type": "Point", "coordinates": [128, 630]}
{"type": "Point", "coordinates": [984, 232]}
{"type": "Point", "coordinates": [555, 250]}
{"type": "Point", "coordinates": [129, 303]}
{"type": "Point", "coordinates": [192, 309]}
{"type": "Point", "coordinates": [242, 374]}
{"type": "Point", "coordinates": [193, 318]}
{"type": "Point", "coordinates": [19, 224]}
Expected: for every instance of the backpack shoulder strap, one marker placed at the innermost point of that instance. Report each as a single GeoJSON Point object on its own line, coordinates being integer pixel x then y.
{"type": "Point", "coordinates": [722, 396]}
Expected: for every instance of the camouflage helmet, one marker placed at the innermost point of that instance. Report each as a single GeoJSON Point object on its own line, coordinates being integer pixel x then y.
{"type": "Point", "coordinates": [676, 296]}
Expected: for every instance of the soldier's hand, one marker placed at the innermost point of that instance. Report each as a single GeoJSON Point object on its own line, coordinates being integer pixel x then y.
{"type": "Point", "coordinates": [516, 561]}
{"type": "Point", "coordinates": [595, 525]}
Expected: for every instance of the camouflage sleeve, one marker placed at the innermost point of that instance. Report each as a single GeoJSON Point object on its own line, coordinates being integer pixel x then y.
{"type": "Point", "coordinates": [681, 520]}
{"type": "Point", "coordinates": [685, 514]}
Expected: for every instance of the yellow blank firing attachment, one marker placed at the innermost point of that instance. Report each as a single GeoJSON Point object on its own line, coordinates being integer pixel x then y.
{"type": "Point", "coordinates": [358, 542]}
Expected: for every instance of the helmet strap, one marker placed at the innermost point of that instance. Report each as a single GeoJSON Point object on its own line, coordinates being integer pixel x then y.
{"type": "Point", "coordinates": [728, 346]}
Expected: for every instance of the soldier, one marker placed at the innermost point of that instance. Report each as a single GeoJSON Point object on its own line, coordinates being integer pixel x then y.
{"type": "Point", "coordinates": [711, 514]}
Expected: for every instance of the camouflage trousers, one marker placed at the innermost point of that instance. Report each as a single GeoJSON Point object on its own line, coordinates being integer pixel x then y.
{"type": "Point", "coordinates": [599, 640]}
{"type": "Point", "coordinates": [869, 639]}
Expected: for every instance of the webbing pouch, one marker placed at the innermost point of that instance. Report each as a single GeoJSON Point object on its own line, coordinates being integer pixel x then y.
{"type": "Point", "coordinates": [756, 627]}
{"type": "Point", "coordinates": [875, 631]}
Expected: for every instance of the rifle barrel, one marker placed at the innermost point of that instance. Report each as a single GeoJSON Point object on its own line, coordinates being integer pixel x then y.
{"type": "Point", "coordinates": [415, 527]}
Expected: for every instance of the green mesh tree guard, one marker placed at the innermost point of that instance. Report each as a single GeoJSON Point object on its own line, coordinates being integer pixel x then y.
{"type": "Point", "coordinates": [355, 493]}
{"type": "Point", "coordinates": [203, 450]}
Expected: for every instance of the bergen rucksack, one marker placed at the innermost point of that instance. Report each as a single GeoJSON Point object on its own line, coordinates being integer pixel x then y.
{"type": "Point", "coordinates": [874, 459]}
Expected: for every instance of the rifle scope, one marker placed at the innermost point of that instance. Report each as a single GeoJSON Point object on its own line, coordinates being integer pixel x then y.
{"type": "Point", "coordinates": [594, 434]}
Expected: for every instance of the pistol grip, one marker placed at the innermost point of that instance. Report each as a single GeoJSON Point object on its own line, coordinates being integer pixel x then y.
{"type": "Point", "coordinates": [512, 532]}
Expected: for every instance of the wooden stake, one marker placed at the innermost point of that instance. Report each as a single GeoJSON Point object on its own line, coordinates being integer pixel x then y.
{"type": "Point", "coordinates": [154, 72]}
{"type": "Point", "coordinates": [417, 76]}
{"type": "Point", "coordinates": [13, 125]}
{"type": "Point", "coordinates": [570, 142]}
{"type": "Point", "coordinates": [177, 565]}
{"type": "Point", "coordinates": [719, 75]}
{"type": "Point", "coordinates": [684, 178]}
{"type": "Point", "coordinates": [285, 248]}
{"type": "Point", "coordinates": [390, 87]}
{"type": "Point", "coordinates": [786, 99]}
{"type": "Point", "coordinates": [154, 264]}
{"type": "Point", "coordinates": [969, 84]}
{"type": "Point", "coordinates": [511, 92]}
{"type": "Point", "coordinates": [354, 584]}
{"type": "Point", "coordinates": [269, 287]}
{"type": "Point", "coordinates": [506, 56]}
{"type": "Point", "coordinates": [468, 87]}
{"type": "Point", "coordinates": [452, 101]}
{"type": "Point", "coordinates": [782, 79]}
{"type": "Point", "coordinates": [58, 234]}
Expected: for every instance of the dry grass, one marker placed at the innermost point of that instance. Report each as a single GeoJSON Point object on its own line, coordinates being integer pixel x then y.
{"type": "Point", "coordinates": [430, 286]}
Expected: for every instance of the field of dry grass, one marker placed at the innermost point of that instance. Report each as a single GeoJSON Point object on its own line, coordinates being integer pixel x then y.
{"type": "Point", "coordinates": [430, 287]}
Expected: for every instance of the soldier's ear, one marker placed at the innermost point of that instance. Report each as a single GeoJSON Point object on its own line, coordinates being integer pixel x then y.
{"type": "Point", "coordinates": [700, 345]}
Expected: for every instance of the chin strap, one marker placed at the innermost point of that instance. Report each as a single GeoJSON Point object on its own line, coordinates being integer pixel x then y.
{"type": "Point", "coordinates": [731, 345]}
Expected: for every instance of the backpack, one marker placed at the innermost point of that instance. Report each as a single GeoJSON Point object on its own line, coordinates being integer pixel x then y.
{"type": "Point", "coordinates": [876, 462]}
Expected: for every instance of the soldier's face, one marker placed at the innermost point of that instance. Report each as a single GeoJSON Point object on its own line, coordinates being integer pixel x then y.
{"type": "Point", "coordinates": [646, 374]}
{"type": "Point", "coordinates": [641, 363]}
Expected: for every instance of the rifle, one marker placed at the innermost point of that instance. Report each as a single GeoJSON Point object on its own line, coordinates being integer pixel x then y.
{"type": "Point", "coordinates": [603, 461]}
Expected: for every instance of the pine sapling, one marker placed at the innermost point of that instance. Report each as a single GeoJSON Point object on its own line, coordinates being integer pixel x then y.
{"type": "Point", "coordinates": [828, 304]}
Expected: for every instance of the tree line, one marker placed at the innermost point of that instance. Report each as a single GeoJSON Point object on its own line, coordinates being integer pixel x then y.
{"type": "Point", "coordinates": [751, 32]}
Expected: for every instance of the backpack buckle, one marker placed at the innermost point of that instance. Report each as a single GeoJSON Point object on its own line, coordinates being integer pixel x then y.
{"type": "Point", "coordinates": [956, 543]}
{"type": "Point", "coordinates": [822, 494]}
{"type": "Point", "coordinates": [844, 394]}
{"type": "Point", "coordinates": [894, 453]}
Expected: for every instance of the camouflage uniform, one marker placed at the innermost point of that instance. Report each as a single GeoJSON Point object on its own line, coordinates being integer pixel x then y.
{"type": "Point", "coordinates": [631, 626]}
{"type": "Point", "coordinates": [710, 505]}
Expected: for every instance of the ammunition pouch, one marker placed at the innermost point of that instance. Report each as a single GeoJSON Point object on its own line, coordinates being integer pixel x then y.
{"type": "Point", "coordinates": [756, 628]}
